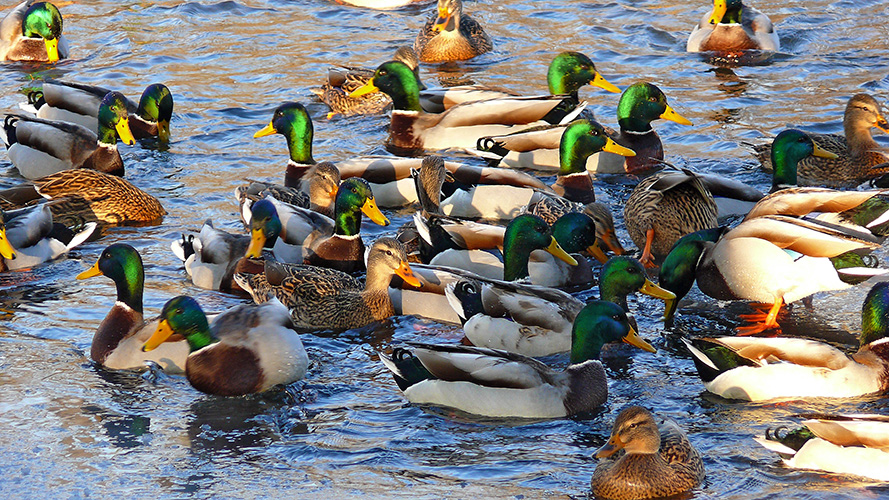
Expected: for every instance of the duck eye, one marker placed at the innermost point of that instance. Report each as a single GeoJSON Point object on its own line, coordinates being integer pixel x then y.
{"type": "Point", "coordinates": [179, 311]}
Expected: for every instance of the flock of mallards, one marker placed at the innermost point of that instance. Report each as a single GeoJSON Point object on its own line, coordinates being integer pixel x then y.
{"type": "Point", "coordinates": [491, 248]}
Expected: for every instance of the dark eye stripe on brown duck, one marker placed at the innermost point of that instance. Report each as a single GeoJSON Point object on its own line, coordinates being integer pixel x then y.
{"type": "Point", "coordinates": [451, 35]}
{"type": "Point", "coordinates": [293, 122]}
{"type": "Point", "coordinates": [32, 31]}
{"type": "Point", "coordinates": [859, 157]}
{"type": "Point", "coordinates": [30, 139]}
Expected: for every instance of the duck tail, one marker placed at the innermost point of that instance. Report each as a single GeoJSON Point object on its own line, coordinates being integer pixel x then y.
{"type": "Point", "coordinates": [405, 367]}
{"type": "Point", "coordinates": [465, 298]}
{"type": "Point", "coordinates": [712, 359]}
{"type": "Point", "coordinates": [83, 235]}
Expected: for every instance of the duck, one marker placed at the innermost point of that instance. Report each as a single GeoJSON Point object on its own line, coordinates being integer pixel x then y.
{"type": "Point", "coordinates": [551, 208]}
{"type": "Point", "coordinates": [40, 147]}
{"type": "Point", "coordinates": [291, 120]}
{"type": "Point", "coordinates": [857, 156]}
{"type": "Point", "coordinates": [321, 182]}
{"type": "Point", "coordinates": [623, 275]}
{"type": "Point", "coordinates": [321, 298]}
{"type": "Point", "coordinates": [29, 237]}
{"type": "Point", "coordinates": [765, 368]}
{"type": "Point", "coordinates": [84, 195]}
{"type": "Point", "coordinates": [665, 206]}
{"type": "Point", "coordinates": [117, 343]}
{"type": "Point", "coordinates": [411, 130]}
{"type": "Point", "coordinates": [342, 80]}
{"type": "Point", "coordinates": [640, 104]}
{"type": "Point", "coordinates": [451, 35]}
{"type": "Point", "coordinates": [32, 31]}
{"type": "Point", "coordinates": [733, 27]}
{"type": "Point", "coordinates": [79, 103]}
{"type": "Point", "coordinates": [659, 460]}
{"type": "Point", "coordinates": [854, 444]}
{"type": "Point", "coordinates": [246, 349]}
{"type": "Point", "coordinates": [496, 383]}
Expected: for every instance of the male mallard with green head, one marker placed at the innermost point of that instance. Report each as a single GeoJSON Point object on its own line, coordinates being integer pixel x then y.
{"type": "Point", "coordinates": [32, 31]}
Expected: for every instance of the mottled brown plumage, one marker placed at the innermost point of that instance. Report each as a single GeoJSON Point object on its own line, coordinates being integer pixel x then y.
{"type": "Point", "coordinates": [451, 35]}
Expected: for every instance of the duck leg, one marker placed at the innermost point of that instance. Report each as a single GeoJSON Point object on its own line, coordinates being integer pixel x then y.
{"type": "Point", "coordinates": [647, 259]}
{"type": "Point", "coordinates": [762, 320]}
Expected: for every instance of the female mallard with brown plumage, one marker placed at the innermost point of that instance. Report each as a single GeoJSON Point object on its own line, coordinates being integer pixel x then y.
{"type": "Point", "coordinates": [321, 182]}
{"type": "Point", "coordinates": [858, 156]}
{"type": "Point", "coordinates": [658, 460]}
{"type": "Point", "coordinates": [665, 207]}
{"type": "Point", "coordinates": [733, 27]}
{"type": "Point", "coordinates": [451, 35]}
{"type": "Point", "coordinates": [325, 298]}
{"type": "Point", "coordinates": [246, 349]}
{"type": "Point", "coordinates": [32, 31]}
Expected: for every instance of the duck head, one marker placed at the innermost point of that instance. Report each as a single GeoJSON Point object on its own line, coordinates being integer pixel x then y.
{"type": "Point", "coordinates": [354, 197]}
{"type": "Point", "coordinates": [635, 432]}
{"type": "Point", "coordinates": [576, 232]}
{"type": "Point", "coordinates": [677, 273]}
{"type": "Point", "coordinates": [580, 140]}
{"type": "Point", "coordinates": [875, 314]}
{"type": "Point", "coordinates": [43, 20]}
{"type": "Point", "coordinates": [571, 70]}
{"type": "Point", "coordinates": [387, 256]}
{"type": "Point", "coordinates": [114, 121]}
{"type": "Point", "coordinates": [641, 104]}
{"type": "Point", "coordinates": [181, 317]}
{"type": "Point", "coordinates": [523, 235]}
{"type": "Point", "coordinates": [623, 275]}
{"type": "Point", "coordinates": [598, 323]}
{"type": "Point", "coordinates": [293, 122]}
{"type": "Point", "coordinates": [123, 264]}
{"type": "Point", "coordinates": [265, 227]}
{"type": "Point", "coordinates": [156, 106]}
{"type": "Point", "coordinates": [788, 148]}
{"type": "Point", "coordinates": [398, 81]}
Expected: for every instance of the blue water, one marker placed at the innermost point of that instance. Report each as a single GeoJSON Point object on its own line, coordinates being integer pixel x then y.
{"type": "Point", "coordinates": [71, 430]}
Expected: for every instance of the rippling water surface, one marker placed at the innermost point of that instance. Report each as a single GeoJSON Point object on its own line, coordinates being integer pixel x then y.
{"type": "Point", "coordinates": [77, 431]}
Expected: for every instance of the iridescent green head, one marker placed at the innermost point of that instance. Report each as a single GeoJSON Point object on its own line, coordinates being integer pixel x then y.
{"type": "Point", "coordinates": [43, 20]}
{"type": "Point", "coordinates": [523, 235]}
{"type": "Point", "coordinates": [265, 227]}
{"type": "Point", "coordinates": [114, 121]}
{"type": "Point", "coordinates": [354, 197]}
{"type": "Point", "coordinates": [788, 148]}
{"type": "Point", "coordinates": [396, 80]}
{"type": "Point", "coordinates": [156, 106]}
{"type": "Point", "coordinates": [598, 323]}
{"type": "Point", "coordinates": [641, 104]}
{"type": "Point", "coordinates": [623, 275]}
{"type": "Point", "coordinates": [123, 265]}
{"type": "Point", "coordinates": [875, 314]}
{"type": "Point", "coordinates": [677, 272]}
{"type": "Point", "coordinates": [571, 70]}
{"type": "Point", "coordinates": [580, 140]}
{"type": "Point", "coordinates": [575, 232]}
{"type": "Point", "coordinates": [293, 122]}
{"type": "Point", "coordinates": [182, 316]}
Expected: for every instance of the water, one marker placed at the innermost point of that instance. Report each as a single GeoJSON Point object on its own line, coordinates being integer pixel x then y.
{"type": "Point", "coordinates": [77, 431]}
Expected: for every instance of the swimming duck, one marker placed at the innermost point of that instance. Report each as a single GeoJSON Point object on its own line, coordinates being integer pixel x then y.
{"type": "Point", "coordinates": [293, 122]}
{"type": "Point", "coordinates": [40, 147]}
{"type": "Point", "coordinates": [85, 195]}
{"type": "Point", "coordinates": [411, 130]}
{"type": "Point", "coordinates": [495, 383]}
{"type": "Point", "coordinates": [28, 237]}
{"type": "Point", "coordinates": [665, 206]}
{"type": "Point", "coordinates": [117, 343]}
{"type": "Point", "coordinates": [758, 369]}
{"type": "Point", "coordinates": [451, 35]}
{"type": "Point", "coordinates": [733, 27]}
{"type": "Point", "coordinates": [551, 208]}
{"type": "Point", "coordinates": [640, 104]}
{"type": "Point", "coordinates": [326, 298]}
{"type": "Point", "coordinates": [321, 182]}
{"type": "Point", "coordinates": [623, 275]}
{"type": "Point", "coordinates": [343, 80]}
{"type": "Point", "coordinates": [248, 348]}
{"type": "Point", "coordinates": [79, 103]}
{"type": "Point", "coordinates": [32, 31]}
{"type": "Point", "coordinates": [659, 461]}
{"type": "Point", "coordinates": [857, 156]}
{"type": "Point", "coordinates": [854, 444]}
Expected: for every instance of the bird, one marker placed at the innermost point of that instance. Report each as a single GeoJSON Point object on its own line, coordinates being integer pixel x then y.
{"type": "Point", "coordinates": [858, 156]}
{"type": "Point", "coordinates": [496, 383]}
{"type": "Point", "coordinates": [28, 237]}
{"type": "Point", "coordinates": [117, 343]}
{"type": "Point", "coordinates": [40, 147]}
{"type": "Point", "coordinates": [853, 444]}
{"type": "Point", "coordinates": [246, 349]}
{"type": "Point", "coordinates": [291, 120]}
{"type": "Point", "coordinates": [733, 27]}
{"type": "Point", "coordinates": [551, 208]}
{"type": "Point", "coordinates": [322, 298]}
{"type": "Point", "coordinates": [79, 103]}
{"type": "Point", "coordinates": [32, 31]}
{"type": "Point", "coordinates": [640, 104]}
{"type": "Point", "coordinates": [665, 206]}
{"type": "Point", "coordinates": [659, 460]}
{"type": "Point", "coordinates": [321, 182]}
{"type": "Point", "coordinates": [451, 35]}
{"type": "Point", "coordinates": [761, 369]}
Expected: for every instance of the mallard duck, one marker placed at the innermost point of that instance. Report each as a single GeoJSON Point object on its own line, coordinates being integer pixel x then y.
{"type": "Point", "coordinates": [640, 104]}
{"type": "Point", "coordinates": [293, 122]}
{"type": "Point", "coordinates": [451, 35]}
{"type": "Point", "coordinates": [32, 31]}
{"type": "Point", "coordinates": [758, 369]}
{"type": "Point", "coordinates": [28, 237]}
{"type": "Point", "coordinates": [117, 343]}
{"type": "Point", "coordinates": [664, 207]}
{"type": "Point", "coordinates": [623, 275]}
{"type": "Point", "coordinates": [321, 182]}
{"type": "Point", "coordinates": [247, 349]}
{"type": "Point", "coordinates": [85, 195]}
{"type": "Point", "coordinates": [733, 27]}
{"type": "Point", "coordinates": [853, 444]}
{"type": "Point", "coordinates": [495, 383]}
{"type": "Point", "coordinates": [659, 461]}
{"type": "Point", "coordinates": [857, 156]}
{"type": "Point", "coordinates": [551, 208]}
{"type": "Point", "coordinates": [40, 147]}
{"type": "Point", "coordinates": [411, 130]}
{"type": "Point", "coordinates": [326, 298]}
{"type": "Point", "coordinates": [343, 80]}
{"type": "Point", "coordinates": [79, 103]}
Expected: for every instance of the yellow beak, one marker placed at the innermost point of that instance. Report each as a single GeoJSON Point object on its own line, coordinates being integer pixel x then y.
{"type": "Point", "coordinates": [822, 153]}
{"type": "Point", "coordinates": [657, 292]}
{"type": "Point", "coordinates": [6, 249]}
{"type": "Point", "coordinates": [673, 116]}
{"type": "Point", "coordinates": [160, 335]}
{"type": "Point", "coordinates": [367, 88]}
{"type": "Point", "coordinates": [371, 210]}
{"type": "Point", "coordinates": [719, 9]}
{"type": "Point", "coordinates": [405, 272]}
{"type": "Point", "coordinates": [89, 273]}
{"type": "Point", "coordinates": [559, 253]}
{"type": "Point", "coordinates": [267, 130]}
{"type": "Point", "coordinates": [613, 147]}
{"type": "Point", "coordinates": [257, 241]}
{"type": "Point", "coordinates": [635, 340]}
{"type": "Point", "coordinates": [597, 253]}
{"type": "Point", "coordinates": [52, 49]}
{"type": "Point", "coordinates": [124, 132]}
{"type": "Point", "coordinates": [601, 82]}
{"type": "Point", "coordinates": [163, 131]}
